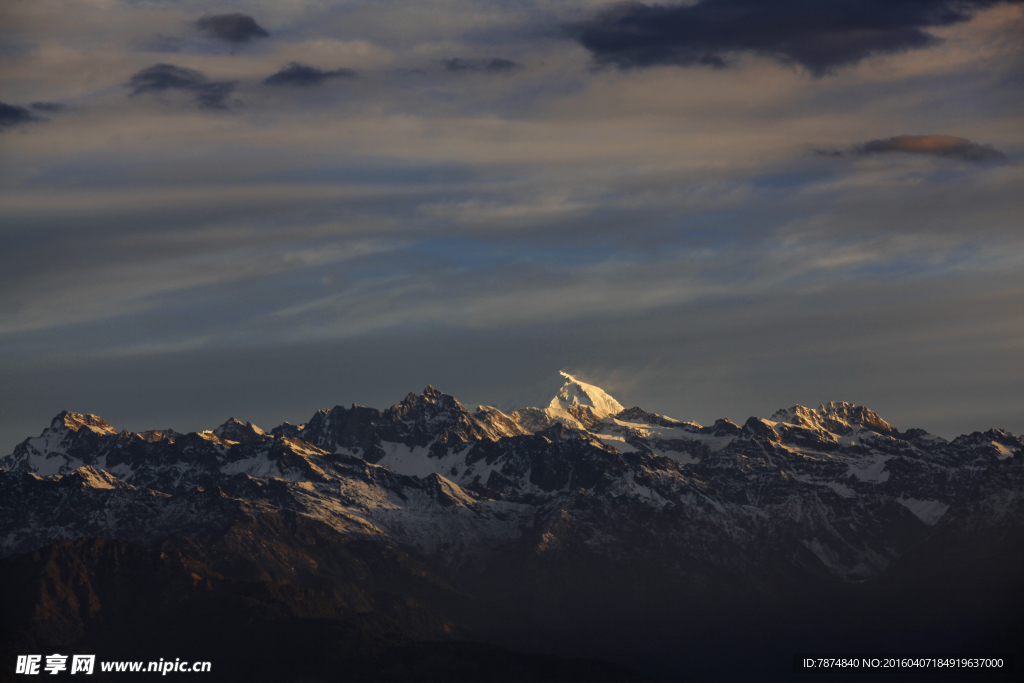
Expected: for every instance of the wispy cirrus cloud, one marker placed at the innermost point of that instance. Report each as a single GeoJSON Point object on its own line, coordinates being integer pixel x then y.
{"type": "Point", "coordinates": [49, 107]}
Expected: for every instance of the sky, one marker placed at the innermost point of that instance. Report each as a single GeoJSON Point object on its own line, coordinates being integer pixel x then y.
{"type": "Point", "coordinates": [713, 208]}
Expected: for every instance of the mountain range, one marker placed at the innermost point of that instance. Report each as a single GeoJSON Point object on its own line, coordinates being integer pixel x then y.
{"type": "Point", "coordinates": [564, 524]}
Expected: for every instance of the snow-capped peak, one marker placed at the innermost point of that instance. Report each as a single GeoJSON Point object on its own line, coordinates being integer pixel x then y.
{"type": "Point", "coordinates": [235, 430]}
{"type": "Point", "coordinates": [836, 417]}
{"type": "Point", "coordinates": [564, 393]}
{"type": "Point", "coordinates": [562, 399]}
{"type": "Point", "coordinates": [576, 393]}
{"type": "Point", "coordinates": [77, 421]}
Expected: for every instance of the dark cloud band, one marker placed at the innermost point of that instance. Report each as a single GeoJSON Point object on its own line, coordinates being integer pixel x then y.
{"type": "Point", "coordinates": [233, 28]}
{"type": "Point", "coordinates": [820, 36]}
{"type": "Point", "coordinates": [934, 145]}
{"type": "Point", "coordinates": [12, 115]}
{"type": "Point", "coordinates": [491, 66]}
{"type": "Point", "coordinates": [306, 75]}
{"type": "Point", "coordinates": [164, 77]}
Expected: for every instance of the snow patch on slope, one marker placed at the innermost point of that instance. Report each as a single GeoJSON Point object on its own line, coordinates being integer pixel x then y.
{"type": "Point", "coordinates": [257, 466]}
{"type": "Point", "coordinates": [842, 489]}
{"type": "Point", "coordinates": [416, 461]}
{"type": "Point", "coordinates": [52, 463]}
{"type": "Point", "coordinates": [1004, 451]}
{"type": "Point", "coordinates": [872, 471]}
{"type": "Point", "coordinates": [928, 511]}
{"type": "Point", "coordinates": [828, 557]}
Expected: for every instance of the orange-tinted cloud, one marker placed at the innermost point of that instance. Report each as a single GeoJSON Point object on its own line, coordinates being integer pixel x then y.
{"type": "Point", "coordinates": [935, 145]}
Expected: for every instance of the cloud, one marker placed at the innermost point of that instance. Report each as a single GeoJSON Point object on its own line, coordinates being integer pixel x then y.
{"type": "Point", "coordinates": [47, 106]}
{"type": "Point", "coordinates": [304, 74]}
{"type": "Point", "coordinates": [820, 36]}
{"type": "Point", "coordinates": [491, 66]}
{"type": "Point", "coordinates": [233, 28]}
{"type": "Point", "coordinates": [935, 145]}
{"type": "Point", "coordinates": [12, 115]}
{"type": "Point", "coordinates": [163, 77]}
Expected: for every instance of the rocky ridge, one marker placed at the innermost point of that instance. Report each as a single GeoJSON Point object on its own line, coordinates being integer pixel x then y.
{"type": "Point", "coordinates": [835, 491]}
{"type": "Point", "coordinates": [564, 528]}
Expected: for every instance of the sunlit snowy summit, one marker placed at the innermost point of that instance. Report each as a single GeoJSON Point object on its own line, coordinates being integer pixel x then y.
{"type": "Point", "coordinates": [564, 400]}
